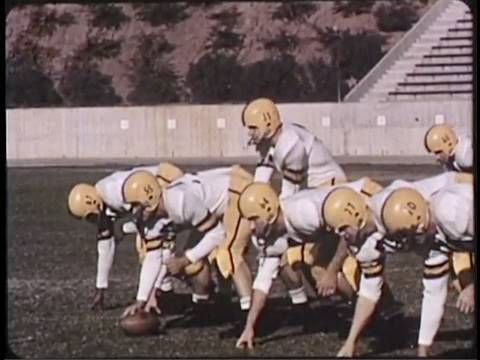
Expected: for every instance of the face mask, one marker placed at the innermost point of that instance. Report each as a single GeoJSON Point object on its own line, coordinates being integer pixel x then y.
{"type": "Point", "coordinates": [92, 218]}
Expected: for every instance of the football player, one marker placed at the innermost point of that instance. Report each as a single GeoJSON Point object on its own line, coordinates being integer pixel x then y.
{"type": "Point", "coordinates": [102, 204]}
{"type": "Point", "coordinates": [295, 153]}
{"type": "Point", "coordinates": [455, 153]}
{"type": "Point", "coordinates": [207, 202]}
{"type": "Point", "coordinates": [299, 218]}
{"type": "Point", "coordinates": [433, 216]}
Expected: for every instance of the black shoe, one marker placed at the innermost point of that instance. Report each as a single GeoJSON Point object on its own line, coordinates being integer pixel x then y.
{"type": "Point", "coordinates": [305, 315]}
{"type": "Point", "coordinates": [232, 332]}
{"type": "Point", "coordinates": [196, 316]}
{"type": "Point", "coordinates": [297, 314]}
{"type": "Point", "coordinates": [390, 311]}
{"type": "Point", "coordinates": [171, 303]}
{"type": "Point", "coordinates": [235, 330]}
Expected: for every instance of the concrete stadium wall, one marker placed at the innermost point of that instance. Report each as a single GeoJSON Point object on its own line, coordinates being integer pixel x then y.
{"type": "Point", "coordinates": [215, 131]}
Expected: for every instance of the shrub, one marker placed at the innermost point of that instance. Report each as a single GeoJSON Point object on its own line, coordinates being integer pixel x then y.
{"type": "Point", "coordinates": [226, 18]}
{"type": "Point", "coordinates": [107, 16]}
{"type": "Point", "coordinates": [97, 48]}
{"type": "Point", "coordinates": [276, 78]}
{"type": "Point", "coordinates": [366, 46]}
{"type": "Point", "coordinates": [153, 80]}
{"type": "Point", "coordinates": [226, 40]}
{"type": "Point", "coordinates": [395, 18]}
{"type": "Point", "coordinates": [44, 22]}
{"type": "Point", "coordinates": [357, 53]}
{"type": "Point", "coordinates": [294, 11]}
{"type": "Point", "coordinates": [282, 43]}
{"type": "Point", "coordinates": [87, 86]}
{"type": "Point", "coordinates": [27, 86]}
{"type": "Point", "coordinates": [215, 78]}
{"type": "Point", "coordinates": [325, 81]}
{"type": "Point", "coordinates": [162, 13]}
{"type": "Point", "coordinates": [154, 87]}
{"type": "Point", "coordinates": [353, 7]}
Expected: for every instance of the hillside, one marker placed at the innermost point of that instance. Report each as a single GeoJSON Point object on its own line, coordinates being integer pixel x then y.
{"type": "Point", "coordinates": [134, 54]}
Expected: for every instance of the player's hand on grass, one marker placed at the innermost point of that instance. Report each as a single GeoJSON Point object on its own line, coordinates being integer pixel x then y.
{"type": "Point", "coordinates": [245, 341]}
{"type": "Point", "coordinates": [466, 300]}
{"type": "Point", "coordinates": [132, 309]}
{"type": "Point", "coordinates": [347, 350]}
{"type": "Point", "coordinates": [327, 284]}
{"type": "Point", "coordinates": [98, 299]}
{"type": "Point", "coordinates": [175, 265]}
{"type": "Point", "coordinates": [152, 303]}
{"type": "Point", "coordinates": [423, 351]}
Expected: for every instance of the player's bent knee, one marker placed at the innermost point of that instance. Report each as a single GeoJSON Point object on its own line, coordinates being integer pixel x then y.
{"type": "Point", "coordinates": [229, 261]}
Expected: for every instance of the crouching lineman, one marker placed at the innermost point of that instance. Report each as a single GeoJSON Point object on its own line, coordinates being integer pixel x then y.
{"type": "Point", "coordinates": [299, 218]}
{"type": "Point", "coordinates": [454, 153]}
{"type": "Point", "coordinates": [433, 216]}
{"type": "Point", "coordinates": [102, 204]}
{"type": "Point", "coordinates": [208, 202]}
{"type": "Point", "coordinates": [346, 212]}
{"type": "Point", "coordinates": [295, 153]}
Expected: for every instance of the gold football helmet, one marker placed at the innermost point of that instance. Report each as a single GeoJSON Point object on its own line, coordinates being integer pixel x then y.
{"type": "Point", "coordinates": [262, 114]}
{"type": "Point", "coordinates": [259, 201]}
{"type": "Point", "coordinates": [167, 173]}
{"type": "Point", "coordinates": [344, 207]}
{"type": "Point", "coordinates": [405, 209]}
{"type": "Point", "coordinates": [441, 139]}
{"type": "Point", "coordinates": [84, 200]}
{"type": "Point", "coordinates": [141, 187]}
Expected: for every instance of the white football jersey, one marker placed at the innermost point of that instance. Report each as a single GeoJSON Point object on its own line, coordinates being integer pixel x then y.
{"type": "Point", "coordinates": [427, 187]}
{"type": "Point", "coordinates": [277, 248]}
{"type": "Point", "coordinates": [452, 211]}
{"type": "Point", "coordinates": [370, 250]}
{"type": "Point", "coordinates": [299, 151]}
{"type": "Point", "coordinates": [110, 187]}
{"type": "Point", "coordinates": [303, 211]}
{"type": "Point", "coordinates": [193, 197]}
{"type": "Point", "coordinates": [463, 158]}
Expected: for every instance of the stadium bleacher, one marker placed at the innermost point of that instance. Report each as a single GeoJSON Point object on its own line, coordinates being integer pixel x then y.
{"type": "Point", "coordinates": [434, 60]}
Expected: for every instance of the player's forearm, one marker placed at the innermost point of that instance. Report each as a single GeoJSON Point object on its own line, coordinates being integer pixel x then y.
{"type": "Point", "coordinates": [106, 252]}
{"type": "Point", "coordinates": [163, 281]}
{"type": "Point", "coordinates": [288, 188]}
{"type": "Point", "coordinates": [210, 241]}
{"type": "Point", "coordinates": [363, 312]}
{"type": "Point", "coordinates": [259, 298]}
{"type": "Point", "coordinates": [150, 270]}
{"type": "Point", "coordinates": [339, 257]}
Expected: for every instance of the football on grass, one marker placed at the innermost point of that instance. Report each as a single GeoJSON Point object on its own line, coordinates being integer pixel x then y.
{"type": "Point", "coordinates": [140, 323]}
